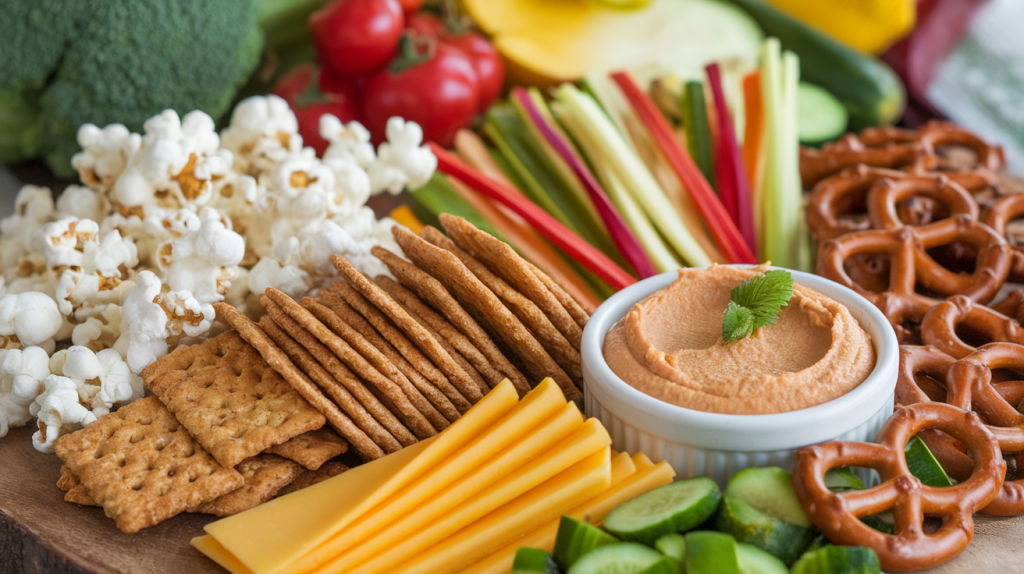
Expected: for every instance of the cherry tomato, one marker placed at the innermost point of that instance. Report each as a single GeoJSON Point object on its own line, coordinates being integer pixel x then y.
{"type": "Point", "coordinates": [441, 94]}
{"type": "Point", "coordinates": [309, 102]}
{"type": "Point", "coordinates": [410, 6]}
{"type": "Point", "coordinates": [355, 37]}
{"type": "Point", "coordinates": [425, 25]}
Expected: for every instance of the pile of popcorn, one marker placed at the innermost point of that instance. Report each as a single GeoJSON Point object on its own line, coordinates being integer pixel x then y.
{"type": "Point", "coordinates": [120, 270]}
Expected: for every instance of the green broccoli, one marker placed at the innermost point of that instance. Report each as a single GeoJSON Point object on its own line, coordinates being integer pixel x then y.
{"type": "Point", "coordinates": [70, 62]}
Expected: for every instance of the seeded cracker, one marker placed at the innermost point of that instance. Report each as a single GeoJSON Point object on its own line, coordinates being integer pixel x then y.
{"type": "Point", "coordinates": [229, 398]}
{"type": "Point", "coordinates": [311, 477]}
{"type": "Point", "coordinates": [490, 313]}
{"type": "Point", "coordinates": [426, 298]}
{"type": "Point", "coordinates": [264, 476]}
{"type": "Point", "coordinates": [142, 467]}
{"type": "Point", "coordinates": [368, 436]}
{"type": "Point", "coordinates": [411, 328]}
{"type": "Point", "coordinates": [335, 355]}
{"type": "Point", "coordinates": [277, 359]}
{"type": "Point", "coordinates": [579, 313]}
{"type": "Point", "coordinates": [312, 449]}
{"type": "Point", "coordinates": [532, 317]}
{"type": "Point", "coordinates": [435, 387]}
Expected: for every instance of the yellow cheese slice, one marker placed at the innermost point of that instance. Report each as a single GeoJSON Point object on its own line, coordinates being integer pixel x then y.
{"type": "Point", "coordinates": [214, 551]}
{"type": "Point", "coordinates": [452, 511]}
{"type": "Point", "coordinates": [536, 408]}
{"type": "Point", "coordinates": [275, 534]}
{"type": "Point", "coordinates": [642, 461]}
{"type": "Point", "coordinates": [594, 510]}
{"type": "Point", "coordinates": [525, 514]}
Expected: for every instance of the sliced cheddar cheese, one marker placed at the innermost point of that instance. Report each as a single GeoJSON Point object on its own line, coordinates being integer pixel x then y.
{"type": "Point", "coordinates": [214, 551]}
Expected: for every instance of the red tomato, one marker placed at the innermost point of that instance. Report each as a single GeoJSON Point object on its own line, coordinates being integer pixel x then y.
{"type": "Point", "coordinates": [410, 6]}
{"type": "Point", "coordinates": [355, 37]}
{"type": "Point", "coordinates": [425, 25]}
{"type": "Point", "coordinates": [441, 94]}
{"type": "Point", "coordinates": [310, 102]}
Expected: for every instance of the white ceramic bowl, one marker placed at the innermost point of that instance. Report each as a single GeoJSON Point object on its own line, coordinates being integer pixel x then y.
{"type": "Point", "coordinates": [698, 443]}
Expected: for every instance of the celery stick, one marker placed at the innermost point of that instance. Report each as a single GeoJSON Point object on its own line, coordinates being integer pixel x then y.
{"type": "Point", "coordinates": [613, 149]}
{"type": "Point", "coordinates": [698, 131]}
{"type": "Point", "coordinates": [801, 248]}
{"type": "Point", "coordinates": [438, 196]}
{"type": "Point", "coordinates": [776, 247]}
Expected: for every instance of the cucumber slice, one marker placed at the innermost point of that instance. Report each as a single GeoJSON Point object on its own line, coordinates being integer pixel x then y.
{"type": "Point", "coordinates": [820, 117]}
{"type": "Point", "coordinates": [748, 524]}
{"type": "Point", "coordinates": [576, 538]}
{"type": "Point", "coordinates": [673, 544]}
{"type": "Point", "coordinates": [619, 558]}
{"type": "Point", "coordinates": [753, 560]}
{"type": "Point", "coordinates": [838, 560]}
{"type": "Point", "coordinates": [664, 566]}
{"type": "Point", "coordinates": [842, 479]}
{"type": "Point", "coordinates": [675, 507]}
{"type": "Point", "coordinates": [769, 490]}
{"type": "Point", "coordinates": [534, 561]}
{"type": "Point", "coordinates": [710, 552]}
{"type": "Point", "coordinates": [923, 465]}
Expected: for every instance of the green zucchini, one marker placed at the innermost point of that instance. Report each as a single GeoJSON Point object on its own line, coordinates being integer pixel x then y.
{"type": "Point", "coordinates": [869, 89]}
{"type": "Point", "coordinates": [838, 560]}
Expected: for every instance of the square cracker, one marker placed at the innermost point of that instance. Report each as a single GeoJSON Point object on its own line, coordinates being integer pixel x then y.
{"type": "Point", "coordinates": [310, 477]}
{"type": "Point", "coordinates": [142, 466]}
{"type": "Point", "coordinates": [229, 398]}
{"type": "Point", "coordinates": [312, 449]}
{"type": "Point", "coordinates": [264, 475]}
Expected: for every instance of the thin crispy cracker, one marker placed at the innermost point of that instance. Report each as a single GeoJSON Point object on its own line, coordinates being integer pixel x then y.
{"type": "Point", "coordinates": [67, 480]}
{"type": "Point", "coordinates": [264, 475]}
{"type": "Point", "coordinates": [311, 477]}
{"type": "Point", "coordinates": [426, 298]}
{"type": "Point", "coordinates": [504, 262]}
{"type": "Point", "coordinates": [229, 398]}
{"type": "Point", "coordinates": [532, 317]}
{"type": "Point", "coordinates": [368, 435]}
{"type": "Point", "coordinates": [489, 312]}
{"type": "Point", "coordinates": [80, 495]}
{"type": "Point", "coordinates": [445, 397]}
{"type": "Point", "coordinates": [312, 449]}
{"type": "Point", "coordinates": [297, 379]}
{"type": "Point", "coordinates": [379, 396]}
{"type": "Point", "coordinates": [376, 358]}
{"type": "Point", "coordinates": [410, 327]}
{"type": "Point", "coordinates": [576, 309]}
{"type": "Point", "coordinates": [140, 464]}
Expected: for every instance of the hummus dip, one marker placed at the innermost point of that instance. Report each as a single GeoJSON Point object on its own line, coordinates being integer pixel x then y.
{"type": "Point", "coordinates": [670, 347]}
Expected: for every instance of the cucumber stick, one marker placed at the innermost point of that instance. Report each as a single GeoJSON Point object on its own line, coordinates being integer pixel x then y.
{"type": "Point", "coordinates": [534, 561]}
{"type": "Point", "coordinates": [838, 560]}
{"type": "Point", "coordinates": [674, 507]}
{"type": "Point", "coordinates": [698, 130]}
{"type": "Point", "coordinates": [438, 196]}
{"type": "Point", "coordinates": [622, 558]}
{"type": "Point", "coordinates": [576, 538]}
{"type": "Point", "coordinates": [711, 553]}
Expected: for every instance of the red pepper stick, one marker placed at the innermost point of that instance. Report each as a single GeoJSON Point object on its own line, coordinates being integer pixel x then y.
{"type": "Point", "coordinates": [722, 228]}
{"type": "Point", "coordinates": [579, 250]}
{"type": "Point", "coordinates": [729, 166]}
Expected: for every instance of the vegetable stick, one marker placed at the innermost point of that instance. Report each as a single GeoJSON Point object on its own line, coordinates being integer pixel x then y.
{"type": "Point", "coordinates": [723, 229]}
{"type": "Point", "coordinates": [557, 233]}
{"type": "Point", "coordinates": [753, 148]}
{"type": "Point", "coordinates": [404, 215]}
{"type": "Point", "coordinates": [698, 132]}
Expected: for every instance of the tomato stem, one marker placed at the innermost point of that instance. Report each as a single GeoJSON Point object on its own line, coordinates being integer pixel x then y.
{"type": "Point", "coordinates": [413, 50]}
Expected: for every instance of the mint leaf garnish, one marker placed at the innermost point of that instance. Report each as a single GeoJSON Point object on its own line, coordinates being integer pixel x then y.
{"type": "Point", "coordinates": [756, 303]}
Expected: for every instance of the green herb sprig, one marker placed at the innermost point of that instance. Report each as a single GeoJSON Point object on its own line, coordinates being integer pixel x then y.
{"type": "Point", "coordinates": [756, 303]}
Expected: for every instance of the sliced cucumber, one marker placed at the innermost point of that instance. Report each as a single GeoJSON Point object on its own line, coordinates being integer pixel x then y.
{"type": "Point", "coordinates": [748, 524]}
{"type": "Point", "coordinates": [576, 538]}
{"type": "Point", "coordinates": [664, 566]}
{"type": "Point", "coordinates": [820, 117]}
{"type": "Point", "coordinates": [753, 560]}
{"type": "Point", "coordinates": [672, 544]}
{"type": "Point", "coordinates": [675, 507]}
{"type": "Point", "coordinates": [838, 560]}
{"type": "Point", "coordinates": [769, 490]}
{"type": "Point", "coordinates": [620, 558]}
{"type": "Point", "coordinates": [842, 479]}
{"type": "Point", "coordinates": [923, 465]}
{"type": "Point", "coordinates": [534, 561]}
{"type": "Point", "coordinates": [710, 552]}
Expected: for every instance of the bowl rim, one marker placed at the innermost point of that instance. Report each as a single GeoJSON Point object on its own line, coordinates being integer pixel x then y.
{"type": "Point", "coordinates": [720, 431]}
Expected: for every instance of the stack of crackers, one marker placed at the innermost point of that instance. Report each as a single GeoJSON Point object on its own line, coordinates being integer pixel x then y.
{"type": "Point", "coordinates": [383, 362]}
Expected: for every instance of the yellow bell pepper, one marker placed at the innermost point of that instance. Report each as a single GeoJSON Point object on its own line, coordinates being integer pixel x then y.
{"type": "Point", "coordinates": [866, 25]}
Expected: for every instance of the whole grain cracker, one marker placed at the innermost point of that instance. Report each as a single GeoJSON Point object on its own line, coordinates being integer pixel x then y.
{"type": "Point", "coordinates": [530, 314]}
{"type": "Point", "coordinates": [142, 466]}
{"type": "Point", "coordinates": [233, 402]}
{"type": "Point", "coordinates": [264, 475]}
{"type": "Point", "coordinates": [503, 261]}
{"type": "Point", "coordinates": [312, 449]}
{"type": "Point", "coordinates": [489, 312]}
{"type": "Point", "coordinates": [426, 298]}
{"type": "Point", "coordinates": [311, 477]}
{"type": "Point", "coordinates": [436, 387]}
{"type": "Point", "coordinates": [377, 359]}
{"type": "Point", "coordinates": [67, 479]}
{"type": "Point", "coordinates": [273, 355]}
{"type": "Point", "coordinates": [365, 434]}
{"type": "Point", "coordinates": [576, 309]}
{"type": "Point", "coordinates": [410, 327]}
{"type": "Point", "coordinates": [392, 408]}
{"type": "Point", "coordinates": [80, 495]}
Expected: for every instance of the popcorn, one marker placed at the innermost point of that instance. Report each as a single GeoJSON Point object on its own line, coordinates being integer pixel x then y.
{"type": "Point", "coordinates": [202, 259]}
{"type": "Point", "coordinates": [99, 327]}
{"type": "Point", "coordinates": [21, 376]}
{"type": "Point", "coordinates": [349, 141]}
{"type": "Point", "coordinates": [105, 153]}
{"type": "Point", "coordinates": [82, 203]}
{"type": "Point", "coordinates": [59, 412]}
{"type": "Point", "coordinates": [401, 161]}
{"type": "Point", "coordinates": [29, 319]}
{"type": "Point", "coordinates": [103, 378]}
{"type": "Point", "coordinates": [32, 208]}
{"type": "Point", "coordinates": [263, 132]}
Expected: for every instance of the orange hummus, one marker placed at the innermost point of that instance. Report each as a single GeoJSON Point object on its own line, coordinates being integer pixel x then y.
{"type": "Point", "coordinates": [670, 347]}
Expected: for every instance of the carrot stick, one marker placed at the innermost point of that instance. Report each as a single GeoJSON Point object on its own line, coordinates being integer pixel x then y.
{"type": "Point", "coordinates": [404, 215]}
{"type": "Point", "coordinates": [753, 147]}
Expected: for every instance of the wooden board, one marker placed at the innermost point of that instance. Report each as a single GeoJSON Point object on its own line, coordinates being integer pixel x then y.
{"type": "Point", "coordinates": [40, 533]}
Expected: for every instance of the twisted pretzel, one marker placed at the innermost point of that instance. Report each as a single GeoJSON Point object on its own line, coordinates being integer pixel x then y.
{"type": "Point", "coordinates": [880, 147]}
{"type": "Point", "coordinates": [909, 548]}
{"type": "Point", "coordinates": [1012, 305]}
{"type": "Point", "coordinates": [1002, 212]}
{"type": "Point", "coordinates": [843, 193]}
{"type": "Point", "coordinates": [940, 325]}
{"type": "Point", "coordinates": [937, 133]}
{"type": "Point", "coordinates": [922, 375]}
{"type": "Point", "coordinates": [886, 194]}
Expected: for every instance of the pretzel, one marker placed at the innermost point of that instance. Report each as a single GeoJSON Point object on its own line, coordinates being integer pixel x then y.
{"type": "Point", "coordinates": [937, 133]}
{"type": "Point", "coordinates": [941, 325]}
{"type": "Point", "coordinates": [909, 548]}
{"type": "Point", "coordinates": [922, 375]}
{"type": "Point", "coordinates": [842, 193]}
{"type": "Point", "coordinates": [1011, 305]}
{"type": "Point", "coordinates": [885, 146]}
{"type": "Point", "coordinates": [887, 193]}
{"type": "Point", "coordinates": [999, 214]}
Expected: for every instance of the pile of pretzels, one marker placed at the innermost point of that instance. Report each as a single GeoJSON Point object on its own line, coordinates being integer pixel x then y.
{"type": "Point", "coordinates": [916, 221]}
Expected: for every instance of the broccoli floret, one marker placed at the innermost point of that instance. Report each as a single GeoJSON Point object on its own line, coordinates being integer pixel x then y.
{"type": "Point", "coordinates": [123, 61]}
